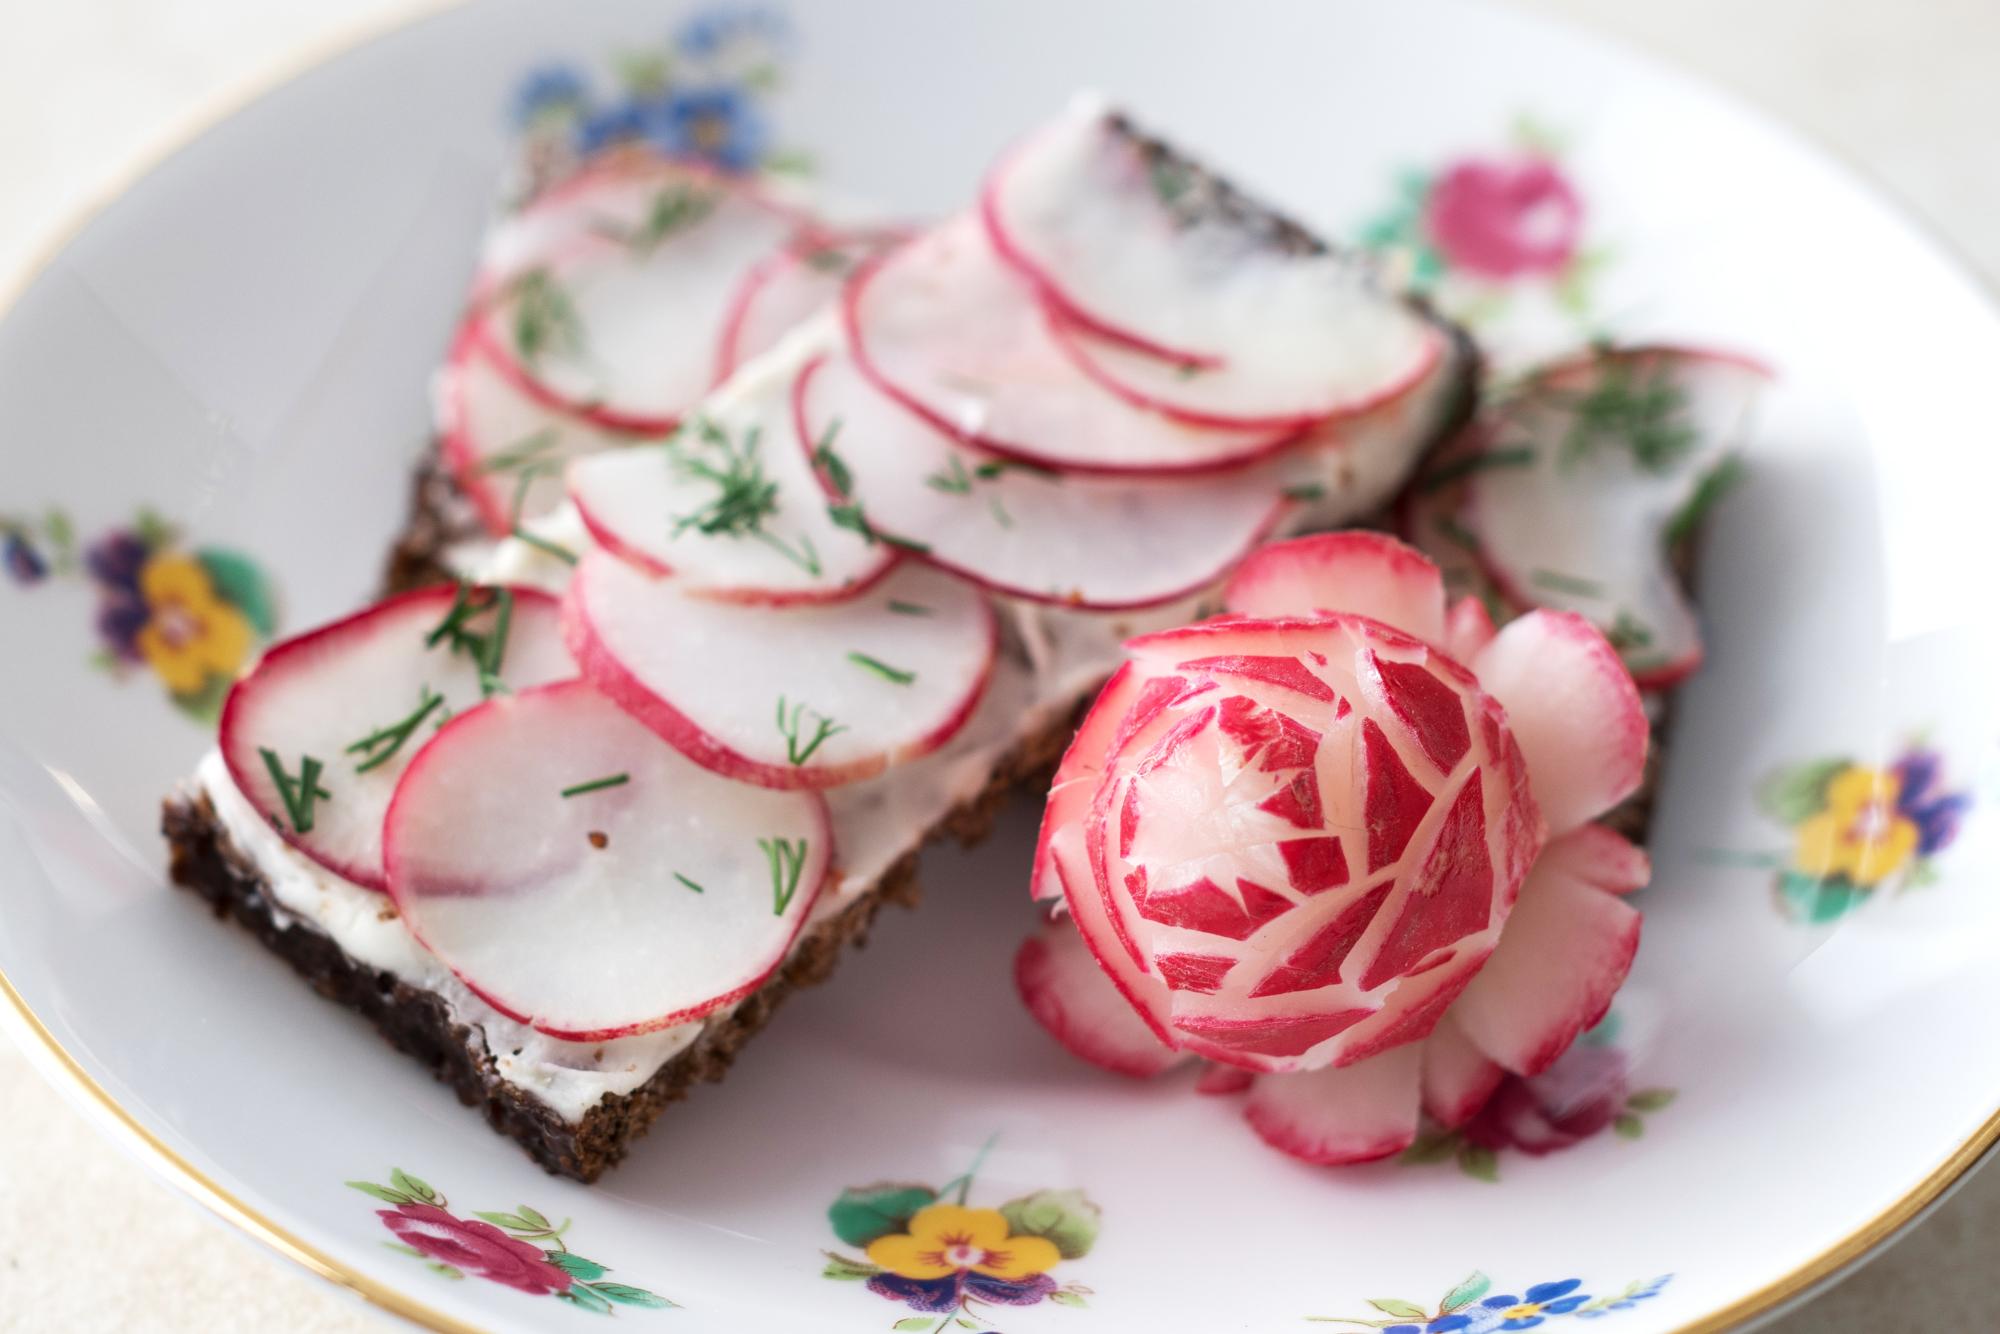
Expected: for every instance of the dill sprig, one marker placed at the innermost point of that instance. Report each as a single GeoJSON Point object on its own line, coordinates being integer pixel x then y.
{"type": "Point", "coordinates": [893, 675]}
{"type": "Point", "coordinates": [1558, 582]}
{"type": "Point", "coordinates": [744, 495]}
{"type": "Point", "coordinates": [788, 861]}
{"type": "Point", "coordinates": [792, 720]}
{"type": "Point", "coordinates": [530, 451]}
{"type": "Point", "coordinates": [955, 481]}
{"type": "Point", "coordinates": [380, 746]}
{"type": "Point", "coordinates": [486, 648]}
{"type": "Point", "coordinates": [693, 885]}
{"type": "Point", "coordinates": [1515, 456]}
{"type": "Point", "coordinates": [519, 530]}
{"type": "Point", "coordinates": [1632, 409]}
{"type": "Point", "coordinates": [545, 318]}
{"type": "Point", "coordinates": [300, 793]}
{"type": "Point", "coordinates": [673, 209]}
{"type": "Point", "coordinates": [596, 785]}
{"type": "Point", "coordinates": [1712, 488]}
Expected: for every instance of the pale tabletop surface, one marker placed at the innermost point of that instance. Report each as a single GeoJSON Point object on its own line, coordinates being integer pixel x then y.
{"type": "Point", "coordinates": [90, 1242]}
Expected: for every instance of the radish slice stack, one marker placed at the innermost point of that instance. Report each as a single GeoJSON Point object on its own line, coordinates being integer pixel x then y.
{"type": "Point", "coordinates": [1306, 841]}
{"type": "Point", "coordinates": [1575, 491]}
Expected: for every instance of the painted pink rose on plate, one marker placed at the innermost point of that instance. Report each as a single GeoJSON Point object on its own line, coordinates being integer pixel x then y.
{"type": "Point", "coordinates": [1504, 218]}
{"type": "Point", "coordinates": [477, 1248]}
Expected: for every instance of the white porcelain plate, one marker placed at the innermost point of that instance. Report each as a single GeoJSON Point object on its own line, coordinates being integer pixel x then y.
{"type": "Point", "coordinates": [210, 402]}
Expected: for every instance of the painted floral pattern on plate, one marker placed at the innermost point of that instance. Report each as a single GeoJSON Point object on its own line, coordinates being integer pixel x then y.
{"type": "Point", "coordinates": [1473, 1307]}
{"type": "Point", "coordinates": [189, 616]}
{"type": "Point", "coordinates": [927, 1248]}
{"type": "Point", "coordinates": [521, 1250]}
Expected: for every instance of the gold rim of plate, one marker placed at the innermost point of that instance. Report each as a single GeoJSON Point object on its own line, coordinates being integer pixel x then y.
{"type": "Point", "coordinates": [179, 1172]}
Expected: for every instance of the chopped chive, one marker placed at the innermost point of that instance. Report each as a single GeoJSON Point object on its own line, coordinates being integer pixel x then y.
{"type": "Point", "coordinates": [956, 482]}
{"type": "Point", "coordinates": [545, 319]}
{"type": "Point", "coordinates": [1305, 491]}
{"type": "Point", "coordinates": [1000, 514]}
{"type": "Point", "coordinates": [838, 474]}
{"type": "Point", "coordinates": [1713, 487]}
{"type": "Point", "coordinates": [910, 608]}
{"type": "Point", "coordinates": [905, 544]}
{"type": "Point", "coordinates": [744, 497]}
{"type": "Point", "coordinates": [487, 650]}
{"type": "Point", "coordinates": [526, 451]}
{"type": "Point", "coordinates": [791, 725]}
{"type": "Point", "coordinates": [1558, 582]}
{"type": "Point", "coordinates": [1628, 408]}
{"type": "Point", "coordinates": [993, 468]}
{"type": "Point", "coordinates": [1516, 456]}
{"type": "Point", "coordinates": [597, 785]}
{"type": "Point", "coordinates": [300, 793]}
{"type": "Point", "coordinates": [689, 883]}
{"type": "Point", "coordinates": [787, 863]}
{"type": "Point", "coordinates": [882, 669]}
{"type": "Point", "coordinates": [381, 745]}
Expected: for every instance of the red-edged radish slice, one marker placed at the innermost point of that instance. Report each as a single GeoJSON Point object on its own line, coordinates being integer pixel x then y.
{"type": "Point", "coordinates": [1070, 996]}
{"type": "Point", "coordinates": [1574, 709]}
{"type": "Point", "coordinates": [1468, 628]}
{"type": "Point", "coordinates": [790, 285]}
{"type": "Point", "coordinates": [506, 448]}
{"type": "Point", "coordinates": [1143, 994]}
{"type": "Point", "coordinates": [1366, 574]}
{"type": "Point", "coordinates": [1096, 542]}
{"type": "Point", "coordinates": [1621, 445]}
{"type": "Point", "coordinates": [1599, 855]}
{"type": "Point", "coordinates": [654, 506]}
{"type": "Point", "coordinates": [621, 326]}
{"type": "Point", "coordinates": [1188, 299]}
{"type": "Point", "coordinates": [585, 878]}
{"type": "Point", "coordinates": [1565, 953]}
{"type": "Point", "coordinates": [790, 697]}
{"type": "Point", "coordinates": [1458, 1078]}
{"type": "Point", "coordinates": [946, 329]}
{"type": "Point", "coordinates": [1352, 1114]}
{"type": "Point", "coordinates": [392, 673]}
{"type": "Point", "coordinates": [1222, 1080]}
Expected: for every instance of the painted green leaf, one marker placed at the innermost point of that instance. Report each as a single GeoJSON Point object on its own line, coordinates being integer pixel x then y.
{"type": "Point", "coordinates": [963, 1323]}
{"type": "Point", "coordinates": [203, 705]}
{"type": "Point", "coordinates": [1065, 1297]}
{"type": "Point", "coordinates": [1065, 1217]}
{"type": "Point", "coordinates": [412, 1186]}
{"type": "Point", "coordinates": [534, 1217]}
{"type": "Point", "coordinates": [1479, 1163]}
{"type": "Point", "coordinates": [791, 162]}
{"type": "Point", "coordinates": [239, 582]}
{"type": "Point", "coordinates": [575, 1265]}
{"type": "Point", "coordinates": [382, 1193]}
{"type": "Point", "coordinates": [1470, 1289]}
{"type": "Point", "coordinates": [1432, 1147]}
{"type": "Point", "coordinates": [841, 1267]}
{"type": "Point", "coordinates": [1810, 899]}
{"type": "Point", "coordinates": [1628, 1125]}
{"type": "Point", "coordinates": [400, 1249]}
{"type": "Point", "coordinates": [1651, 1100]}
{"type": "Point", "coordinates": [582, 1294]}
{"type": "Point", "coordinates": [445, 1270]}
{"type": "Point", "coordinates": [913, 1323]}
{"type": "Point", "coordinates": [1922, 873]}
{"type": "Point", "coordinates": [1796, 793]}
{"type": "Point", "coordinates": [627, 1295]}
{"type": "Point", "coordinates": [863, 1213]}
{"type": "Point", "coordinates": [512, 1222]}
{"type": "Point", "coordinates": [1406, 1310]}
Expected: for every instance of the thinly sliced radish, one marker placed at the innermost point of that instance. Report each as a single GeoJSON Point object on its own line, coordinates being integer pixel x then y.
{"type": "Point", "coordinates": [621, 325]}
{"type": "Point", "coordinates": [729, 505]}
{"type": "Point", "coordinates": [1143, 994]}
{"type": "Point", "coordinates": [787, 697]}
{"type": "Point", "coordinates": [1222, 1080]}
{"type": "Point", "coordinates": [585, 878]}
{"type": "Point", "coordinates": [1070, 996]}
{"type": "Point", "coordinates": [1352, 1114]}
{"type": "Point", "coordinates": [1458, 1078]}
{"type": "Point", "coordinates": [946, 329]}
{"type": "Point", "coordinates": [1188, 297]}
{"type": "Point", "coordinates": [1618, 446]}
{"type": "Point", "coordinates": [1599, 855]}
{"type": "Point", "coordinates": [1574, 709]}
{"type": "Point", "coordinates": [1367, 574]}
{"type": "Point", "coordinates": [791, 285]}
{"type": "Point", "coordinates": [1077, 775]}
{"type": "Point", "coordinates": [341, 710]}
{"type": "Point", "coordinates": [505, 447]}
{"type": "Point", "coordinates": [1565, 953]}
{"type": "Point", "coordinates": [1468, 628]}
{"type": "Point", "coordinates": [1096, 542]}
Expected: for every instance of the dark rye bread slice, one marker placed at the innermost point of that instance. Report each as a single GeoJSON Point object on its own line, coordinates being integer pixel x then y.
{"type": "Point", "coordinates": [420, 1023]}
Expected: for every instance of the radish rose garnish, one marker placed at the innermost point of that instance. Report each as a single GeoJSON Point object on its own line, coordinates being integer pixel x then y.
{"type": "Point", "coordinates": [1340, 837]}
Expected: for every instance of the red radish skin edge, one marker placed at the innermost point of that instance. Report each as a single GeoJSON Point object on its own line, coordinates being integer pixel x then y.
{"type": "Point", "coordinates": [1281, 1135]}
{"type": "Point", "coordinates": [611, 677]}
{"type": "Point", "coordinates": [1663, 677]}
{"type": "Point", "coordinates": [1041, 1002]}
{"type": "Point", "coordinates": [1285, 434]}
{"type": "Point", "coordinates": [523, 379]}
{"type": "Point", "coordinates": [1152, 1021]}
{"type": "Point", "coordinates": [1072, 341]}
{"type": "Point", "coordinates": [275, 658]}
{"type": "Point", "coordinates": [1280, 506]}
{"type": "Point", "coordinates": [1049, 292]}
{"type": "Point", "coordinates": [455, 440]}
{"type": "Point", "coordinates": [1222, 1080]}
{"type": "Point", "coordinates": [751, 597]}
{"type": "Point", "coordinates": [729, 353]}
{"type": "Point", "coordinates": [687, 1014]}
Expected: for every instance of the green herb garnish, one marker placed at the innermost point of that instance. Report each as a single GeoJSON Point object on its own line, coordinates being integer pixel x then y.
{"type": "Point", "coordinates": [853, 520]}
{"type": "Point", "coordinates": [1629, 632]}
{"type": "Point", "coordinates": [1558, 582]}
{"type": "Point", "coordinates": [528, 451]}
{"type": "Point", "coordinates": [791, 725]}
{"type": "Point", "coordinates": [689, 883]}
{"type": "Point", "coordinates": [882, 669]}
{"type": "Point", "coordinates": [381, 745]}
{"type": "Point", "coordinates": [545, 318]}
{"type": "Point", "coordinates": [597, 785]}
{"type": "Point", "coordinates": [999, 512]}
{"type": "Point", "coordinates": [838, 474]}
{"type": "Point", "coordinates": [298, 793]}
{"type": "Point", "coordinates": [1455, 532]}
{"type": "Point", "coordinates": [1517, 456]}
{"type": "Point", "coordinates": [1707, 492]}
{"type": "Point", "coordinates": [787, 862]}
{"type": "Point", "coordinates": [956, 481]}
{"type": "Point", "coordinates": [1305, 491]}
{"type": "Point", "coordinates": [487, 649]}
{"type": "Point", "coordinates": [744, 496]}
{"type": "Point", "coordinates": [1630, 408]}
{"type": "Point", "coordinates": [672, 209]}
{"type": "Point", "coordinates": [910, 608]}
